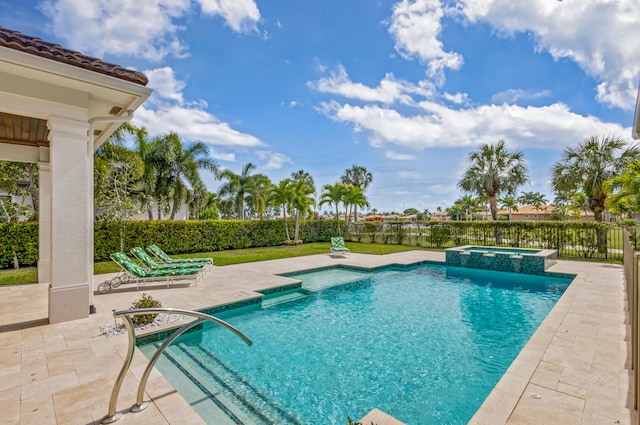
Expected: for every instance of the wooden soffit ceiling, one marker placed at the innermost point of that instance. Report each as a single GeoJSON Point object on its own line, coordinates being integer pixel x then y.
{"type": "Point", "coordinates": [26, 131]}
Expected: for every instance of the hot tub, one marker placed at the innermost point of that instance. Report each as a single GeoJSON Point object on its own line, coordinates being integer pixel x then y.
{"type": "Point", "coordinates": [503, 259]}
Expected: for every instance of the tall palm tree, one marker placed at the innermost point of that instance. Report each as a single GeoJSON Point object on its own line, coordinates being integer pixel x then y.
{"type": "Point", "coordinates": [353, 197]}
{"type": "Point", "coordinates": [589, 164]}
{"type": "Point", "coordinates": [257, 198]}
{"type": "Point", "coordinates": [238, 186]}
{"type": "Point", "coordinates": [493, 170]}
{"type": "Point", "coordinates": [333, 194]}
{"type": "Point", "coordinates": [281, 195]}
{"type": "Point", "coordinates": [357, 176]}
{"type": "Point", "coordinates": [469, 205]}
{"type": "Point", "coordinates": [301, 202]}
{"type": "Point", "coordinates": [183, 170]}
{"type": "Point", "coordinates": [303, 175]}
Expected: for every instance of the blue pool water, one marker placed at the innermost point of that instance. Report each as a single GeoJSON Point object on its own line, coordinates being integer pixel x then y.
{"type": "Point", "coordinates": [425, 345]}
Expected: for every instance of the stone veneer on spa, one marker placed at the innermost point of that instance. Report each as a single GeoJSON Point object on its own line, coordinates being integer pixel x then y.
{"type": "Point", "coordinates": [502, 259]}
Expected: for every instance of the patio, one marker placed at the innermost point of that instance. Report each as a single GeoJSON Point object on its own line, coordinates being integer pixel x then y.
{"type": "Point", "coordinates": [63, 373]}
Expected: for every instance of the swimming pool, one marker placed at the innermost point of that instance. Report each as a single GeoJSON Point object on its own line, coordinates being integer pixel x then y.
{"type": "Point", "coordinates": [424, 344]}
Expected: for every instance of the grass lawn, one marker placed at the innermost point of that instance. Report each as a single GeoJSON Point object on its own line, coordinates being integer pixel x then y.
{"type": "Point", "coordinates": [224, 258]}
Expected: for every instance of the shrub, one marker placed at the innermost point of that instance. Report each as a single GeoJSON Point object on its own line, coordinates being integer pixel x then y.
{"type": "Point", "coordinates": [145, 301]}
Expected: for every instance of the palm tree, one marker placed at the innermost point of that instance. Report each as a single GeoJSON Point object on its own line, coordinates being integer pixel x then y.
{"type": "Point", "coordinates": [301, 202]}
{"type": "Point", "coordinates": [353, 196]}
{"type": "Point", "coordinates": [183, 170]}
{"type": "Point", "coordinates": [259, 194]}
{"type": "Point", "coordinates": [357, 176]}
{"type": "Point", "coordinates": [333, 194]}
{"type": "Point", "coordinates": [493, 170]}
{"type": "Point", "coordinates": [303, 175]}
{"type": "Point", "coordinates": [624, 190]}
{"type": "Point", "coordinates": [509, 202]}
{"type": "Point", "coordinates": [468, 204]}
{"type": "Point", "coordinates": [237, 187]}
{"type": "Point", "coordinates": [536, 199]}
{"type": "Point", "coordinates": [588, 165]}
{"type": "Point", "coordinates": [281, 195]}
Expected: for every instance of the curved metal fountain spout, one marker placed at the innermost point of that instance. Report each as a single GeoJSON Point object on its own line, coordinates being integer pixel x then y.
{"type": "Point", "coordinates": [126, 315]}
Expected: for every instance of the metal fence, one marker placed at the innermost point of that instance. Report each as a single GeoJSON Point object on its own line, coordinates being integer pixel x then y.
{"type": "Point", "coordinates": [631, 257]}
{"type": "Point", "coordinates": [599, 241]}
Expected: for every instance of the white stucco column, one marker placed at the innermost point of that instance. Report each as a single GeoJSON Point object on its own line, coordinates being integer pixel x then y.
{"type": "Point", "coordinates": [71, 261]}
{"type": "Point", "coordinates": [44, 221]}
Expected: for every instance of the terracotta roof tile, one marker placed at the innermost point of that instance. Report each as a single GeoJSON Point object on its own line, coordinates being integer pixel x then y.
{"type": "Point", "coordinates": [35, 46]}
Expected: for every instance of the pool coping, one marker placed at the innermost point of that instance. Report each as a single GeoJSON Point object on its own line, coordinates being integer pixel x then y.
{"type": "Point", "coordinates": [50, 375]}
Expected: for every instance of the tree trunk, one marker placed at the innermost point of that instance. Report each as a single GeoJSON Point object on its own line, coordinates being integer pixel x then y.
{"type": "Point", "coordinates": [493, 205]}
{"type": "Point", "coordinates": [150, 212]}
{"type": "Point", "coordinates": [597, 206]}
{"type": "Point", "coordinates": [284, 217]}
{"type": "Point", "coordinates": [338, 217]}
{"type": "Point", "coordinates": [297, 228]}
{"type": "Point", "coordinates": [174, 210]}
{"type": "Point", "coordinates": [16, 263]}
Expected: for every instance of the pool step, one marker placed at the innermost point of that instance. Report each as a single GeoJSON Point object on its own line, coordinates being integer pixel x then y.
{"type": "Point", "coordinates": [284, 297]}
{"type": "Point", "coordinates": [218, 378]}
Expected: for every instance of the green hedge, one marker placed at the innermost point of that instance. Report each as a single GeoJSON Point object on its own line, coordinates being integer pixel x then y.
{"type": "Point", "coordinates": [179, 237]}
{"type": "Point", "coordinates": [175, 237]}
{"type": "Point", "coordinates": [23, 238]}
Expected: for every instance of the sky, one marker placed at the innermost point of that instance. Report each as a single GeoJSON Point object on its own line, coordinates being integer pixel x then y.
{"type": "Point", "coordinates": [406, 89]}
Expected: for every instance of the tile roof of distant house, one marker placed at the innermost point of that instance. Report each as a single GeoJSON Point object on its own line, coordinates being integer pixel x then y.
{"type": "Point", "coordinates": [35, 46]}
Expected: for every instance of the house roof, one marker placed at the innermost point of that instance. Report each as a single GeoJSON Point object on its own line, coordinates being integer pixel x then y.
{"type": "Point", "coordinates": [542, 209]}
{"type": "Point", "coordinates": [35, 46]}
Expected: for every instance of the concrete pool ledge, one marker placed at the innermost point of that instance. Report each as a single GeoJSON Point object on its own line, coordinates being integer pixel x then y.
{"type": "Point", "coordinates": [573, 370]}
{"type": "Point", "coordinates": [63, 373]}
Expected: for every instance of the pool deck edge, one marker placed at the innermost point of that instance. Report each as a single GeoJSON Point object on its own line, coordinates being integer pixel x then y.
{"type": "Point", "coordinates": [574, 369]}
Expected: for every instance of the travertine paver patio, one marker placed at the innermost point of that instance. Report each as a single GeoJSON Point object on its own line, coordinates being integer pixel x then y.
{"type": "Point", "coordinates": [63, 373]}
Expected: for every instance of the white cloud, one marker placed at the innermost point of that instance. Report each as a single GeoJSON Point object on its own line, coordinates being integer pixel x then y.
{"type": "Point", "coordinates": [165, 85]}
{"type": "Point", "coordinates": [132, 28]}
{"type": "Point", "coordinates": [240, 15]}
{"type": "Point", "coordinates": [514, 95]}
{"type": "Point", "coordinates": [119, 27]}
{"type": "Point", "coordinates": [388, 91]}
{"type": "Point", "coordinates": [553, 126]}
{"type": "Point", "coordinates": [399, 156]}
{"type": "Point", "coordinates": [275, 160]}
{"type": "Point", "coordinates": [601, 36]}
{"type": "Point", "coordinates": [457, 98]}
{"type": "Point", "coordinates": [443, 188]}
{"type": "Point", "coordinates": [230, 157]}
{"type": "Point", "coordinates": [409, 175]}
{"type": "Point", "coordinates": [167, 111]}
{"type": "Point", "coordinates": [401, 193]}
{"type": "Point", "coordinates": [193, 123]}
{"type": "Point", "coordinates": [415, 26]}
